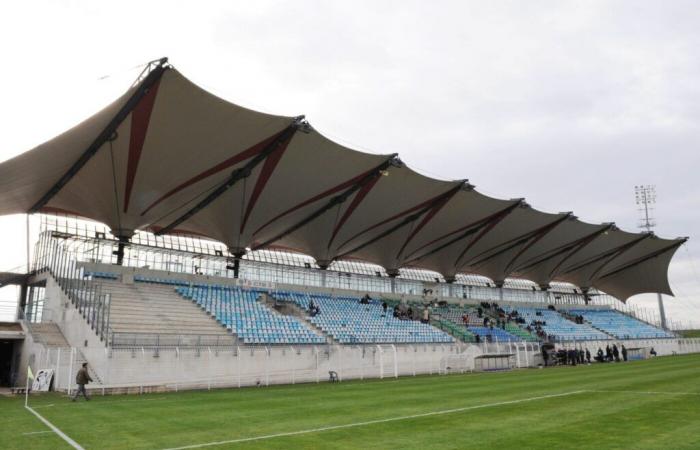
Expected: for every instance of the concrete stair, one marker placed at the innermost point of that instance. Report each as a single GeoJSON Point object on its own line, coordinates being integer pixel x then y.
{"type": "Point", "coordinates": [292, 309]}
{"type": "Point", "coordinates": [48, 334]}
{"type": "Point", "coordinates": [156, 309]}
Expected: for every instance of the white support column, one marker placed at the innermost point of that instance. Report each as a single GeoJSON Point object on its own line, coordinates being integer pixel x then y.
{"type": "Point", "coordinates": [527, 358]}
{"type": "Point", "coordinates": [238, 364]}
{"type": "Point", "coordinates": [396, 362]}
{"type": "Point", "coordinates": [209, 369]}
{"type": "Point", "coordinates": [56, 379]}
{"type": "Point", "coordinates": [662, 312]}
{"type": "Point", "coordinates": [381, 362]}
{"type": "Point", "coordinates": [318, 377]}
{"type": "Point", "coordinates": [340, 357]}
{"type": "Point", "coordinates": [70, 369]}
{"type": "Point", "coordinates": [415, 351]}
{"type": "Point", "coordinates": [362, 364]}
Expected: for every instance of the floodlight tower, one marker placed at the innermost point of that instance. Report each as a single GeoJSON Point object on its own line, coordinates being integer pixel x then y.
{"type": "Point", "coordinates": [645, 196]}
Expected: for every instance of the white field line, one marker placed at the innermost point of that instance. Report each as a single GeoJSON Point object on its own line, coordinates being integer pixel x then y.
{"type": "Point", "coordinates": [373, 422]}
{"type": "Point", "coordinates": [56, 430]}
{"type": "Point", "coordinates": [45, 406]}
{"type": "Point", "coordinates": [645, 392]}
{"type": "Point", "coordinates": [36, 432]}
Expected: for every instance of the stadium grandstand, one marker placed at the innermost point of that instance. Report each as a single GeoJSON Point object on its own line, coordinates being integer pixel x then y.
{"type": "Point", "coordinates": [188, 242]}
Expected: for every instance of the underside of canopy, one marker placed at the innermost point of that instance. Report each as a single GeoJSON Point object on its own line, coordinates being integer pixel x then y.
{"type": "Point", "coordinates": [169, 157]}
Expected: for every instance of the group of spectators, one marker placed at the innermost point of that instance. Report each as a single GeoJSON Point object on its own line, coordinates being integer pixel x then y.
{"type": "Point", "coordinates": [403, 311]}
{"type": "Point", "coordinates": [565, 357]}
{"type": "Point", "coordinates": [611, 354]}
{"type": "Point", "coordinates": [577, 319]}
{"type": "Point", "coordinates": [580, 356]}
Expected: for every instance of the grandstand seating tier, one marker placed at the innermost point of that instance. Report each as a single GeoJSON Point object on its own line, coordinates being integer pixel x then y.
{"type": "Point", "coordinates": [557, 325]}
{"type": "Point", "coordinates": [620, 325]}
{"type": "Point", "coordinates": [348, 321]}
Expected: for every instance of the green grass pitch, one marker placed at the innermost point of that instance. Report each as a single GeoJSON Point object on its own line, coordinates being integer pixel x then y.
{"type": "Point", "coordinates": [636, 405]}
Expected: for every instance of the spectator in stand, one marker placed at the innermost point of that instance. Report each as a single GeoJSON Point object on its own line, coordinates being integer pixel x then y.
{"type": "Point", "coordinates": [465, 320]}
{"type": "Point", "coordinates": [480, 312]}
{"type": "Point", "coordinates": [624, 353]}
{"type": "Point", "coordinates": [426, 315]}
{"type": "Point", "coordinates": [409, 313]}
{"type": "Point", "coordinates": [477, 338]}
{"type": "Point", "coordinates": [588, 356]}
{"type": "Point", "coordinates": [365, 300]}
{"type": "Point", "coordinates": [486, 321]}
{"type": "Point", "coordinates": [396, 311]}
{"type": "Point", "coordinates": [384, 307]}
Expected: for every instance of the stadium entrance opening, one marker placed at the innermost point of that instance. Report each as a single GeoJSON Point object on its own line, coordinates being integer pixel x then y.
{"type": "Point", "coordinates": [6, 354]}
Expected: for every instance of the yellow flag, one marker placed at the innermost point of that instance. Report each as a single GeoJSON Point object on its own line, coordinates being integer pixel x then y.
{"type": "Point", "coordinates": [29, 372]}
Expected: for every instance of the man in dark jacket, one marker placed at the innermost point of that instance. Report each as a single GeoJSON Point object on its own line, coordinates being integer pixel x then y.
{"type": "Point", "coordinates": [624, 353]}
{"type": "Point", "coordinates": [81, 379]}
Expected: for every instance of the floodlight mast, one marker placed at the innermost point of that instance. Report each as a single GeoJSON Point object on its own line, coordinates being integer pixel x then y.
{"type": "Point", "coordinates": [645, 197]}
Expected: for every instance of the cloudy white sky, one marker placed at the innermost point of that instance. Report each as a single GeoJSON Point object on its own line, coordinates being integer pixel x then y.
{"type": "Point", "coordinates": [569, 104]}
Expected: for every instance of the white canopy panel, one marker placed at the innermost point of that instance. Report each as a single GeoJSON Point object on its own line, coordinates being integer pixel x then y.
{"type": "Point", "coordinates": [170, 157]}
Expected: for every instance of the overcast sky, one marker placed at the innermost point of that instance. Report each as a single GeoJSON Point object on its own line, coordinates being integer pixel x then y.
{"type": "Point", "coordinates": [568, 104]}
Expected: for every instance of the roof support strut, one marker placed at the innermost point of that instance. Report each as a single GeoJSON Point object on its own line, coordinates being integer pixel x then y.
{"type": "Point", "coordinates": [570, 247]}
{"type": "Point", "coordinates": [409, 219]}
{"type": "Point", "coordinates": [238, 174]}
{"type": "Point", "coordinates": [464, 231]}
{"type": "Point", "coordinates": [606, 257]}
{"type": "Point", "coordinates": [153, 76]}
{"type": "Point", "coordinates": [535, 235]}
{"type": "Point", "coordinates": [337, 200]}
{"type": "Point", "coordinates": [644, 258]}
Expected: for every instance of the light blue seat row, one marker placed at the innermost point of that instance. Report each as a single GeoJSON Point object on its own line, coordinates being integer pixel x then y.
{"type": "Point", "coordinates": [253, 322]}
{"type": "Point", "coordinates": [158, 280]}
{"type": "Point", "coordinates": [620, 325]}
{"type": "Point", "coordinates": [557, 325]}
{"type": "Point", "coordinates": [348, 321]}
{"type": "Point", "coordinates": [494, 334]}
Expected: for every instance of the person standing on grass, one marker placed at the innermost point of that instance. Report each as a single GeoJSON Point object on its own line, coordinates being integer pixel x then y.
{"type": "Point", "coordinates": [81, 379]}
{"type": "Point", "coordinates": [616, 353]}
{"type": "Point", "coordinates": [624, 353]}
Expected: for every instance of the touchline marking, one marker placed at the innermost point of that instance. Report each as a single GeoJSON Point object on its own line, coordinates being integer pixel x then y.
{"type": "Point", "coordinates": [36, 432]}
{"type": "Point", "coordinates": [373, 422]}
{"type": "Point", "coordinates": [647, 392]}
{"type": "Point", "coordinates": [55, 429]}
